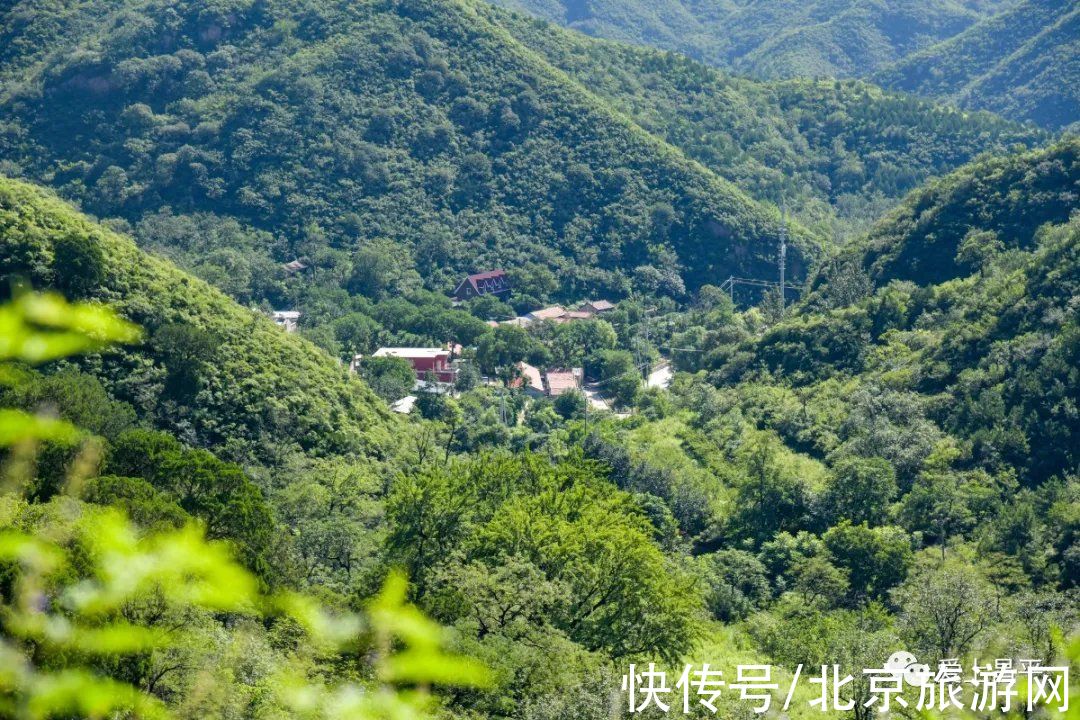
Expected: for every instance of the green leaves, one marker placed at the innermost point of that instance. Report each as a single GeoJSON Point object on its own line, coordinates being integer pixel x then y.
{"type": "Point", "coordinates": [93, 599]}
{"type": "Point", "coordinates": [422, 660]}
{"type": "Point", "coordinates": [181, 565]}
{"type": "Point", "coordinates": [36, 328]}
{"type": "Point", "coordinates": [17, 426]}
{"type": "Point", "coordinates": [115, 568]}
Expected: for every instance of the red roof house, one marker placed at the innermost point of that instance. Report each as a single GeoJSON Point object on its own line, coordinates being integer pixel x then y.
{"type": "Point", "coordinates": [493, 282]}
{"type": "Point", "coordinates": [424, 361]}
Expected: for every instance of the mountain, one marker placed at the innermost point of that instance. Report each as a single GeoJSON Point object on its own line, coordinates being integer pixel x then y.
{"type": "Point", "coordinates": [212, 373]}
{"type": "Point", "coordinates": [1009, 196]}
{"type": "Point", "coordinates": [1023, 63]}
{"type": "Point", "coordinates": [326, 500]}
{"type": "Point", "coordinates": [945, 342]}
{"type": "Point", "coordinates": [1017, 59]}
{"type": "Point", "coordinates": [770, 38]}
{"type": "Point", "coordinates": [238, 137]}
{"type": "Point", "coordinates": [837, 153]}
{"type": "Point", "coordinates": [335, 126]}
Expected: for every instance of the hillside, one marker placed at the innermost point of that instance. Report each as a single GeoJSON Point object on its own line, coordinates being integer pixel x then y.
{"type": "Point", "coordinates": [1008, 196]}
{"type": "Point", "coordinates": [770, 38]}
{"type": "Point", "coordinates": [1022, 63]}
{"type": "Point", "coordinates": [838, 153]}
{"type": "Point", "coordinates": [341, 505]}
{"type": "Point", "coordinates": [334, 126]}
{"type": "Point", "coordinates": [1015, 59]}
{"type": "Point", "coordinates": [648, 454]}
{"type": "Point", "coordinates": [211, 372]}
{"type": "Point", "coordinates": [947, 393]}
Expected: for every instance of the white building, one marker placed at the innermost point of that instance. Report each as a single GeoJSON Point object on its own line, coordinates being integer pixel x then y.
{"type": "Point", "coordinates": [287, 319]}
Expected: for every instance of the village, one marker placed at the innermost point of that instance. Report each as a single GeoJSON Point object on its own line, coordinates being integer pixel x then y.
{"type": "Point", "coordinates": [437, 369]}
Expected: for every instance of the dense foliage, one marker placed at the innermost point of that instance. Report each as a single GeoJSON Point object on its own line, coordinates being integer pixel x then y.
{"type": "Point", "coordinates": [1021, 63]}
{"type": "Point", "coordinates": [953, 225]}
{"type": "Point", "coordinates": [772, 39]}
{"type": "Point", "coordinates": [825, 148]}
{"type": "Point", "coordinates": [514, 552]}
{"type": "Point", "coordinates": [215, 518]}
{"type": "Point", "coordinates": [1017, 59]}
{"type": "Point", "coordinates": [339, 131]}
{"type": "Point", "coordinates": [100, 618]}
{"type": "Point", "coordinates": [212, 373]}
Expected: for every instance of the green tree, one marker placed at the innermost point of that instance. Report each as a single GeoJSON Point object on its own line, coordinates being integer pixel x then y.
{"type": "Point", "coordinates": [618, 373]}
{"type": "Point", "coordinates": [737, 584]}
{"type": "Point", "coordinates": [502, 348]}
{"type": "Point", "coordinates": [184, 349]}
{"type": "Point", "coordinates": [392, 378]}
{"type": "Point", "coordinates": [819, 581]}
{"type": "Point", "coordinates": [78, 263]}
{"type": "Point", "coordinates": [216, 492]}
{"type": "Point", "coordinates": [875, 559]}
{"type": "Point", "coordinates": [859, 490]}
{"type": "Point", "coordinates": [944, 608]}
{"type": "Point", "coordinates": [769, 498]}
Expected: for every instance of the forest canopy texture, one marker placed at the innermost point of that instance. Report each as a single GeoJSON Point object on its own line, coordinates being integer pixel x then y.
{"type": "Point", "coordinates": [648, 450]}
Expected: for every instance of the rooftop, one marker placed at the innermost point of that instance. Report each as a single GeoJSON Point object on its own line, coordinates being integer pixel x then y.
{"type": "Point", "coordinates": [548, 313]}
{"type": "Point", "coordinates": [404, 405]}
{"type": "Point", "coordinates": [530, 377]}
{"type": "Point", "coordinates": [561, 381]}
{"type": "Point", "coordinates": [411, 352]}
{"type": "Point", "coordinates": [486, 275]}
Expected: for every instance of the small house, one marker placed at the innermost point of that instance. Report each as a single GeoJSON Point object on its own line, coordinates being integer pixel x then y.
{"type": "Point", "coordinates": [558, 382]}
{"type": "Point", "coordinates": [424, 360]}
{"type": "Point", "coordinates": [493, 282]}
{"type": "Point", "coordinates": [287, 319]}
{"type": "Point", "coordinates": [597, 307]}
{"type": "Point", "coordinates": [530, 380]}
{"type": "Point", "coordinates": [554, 313]}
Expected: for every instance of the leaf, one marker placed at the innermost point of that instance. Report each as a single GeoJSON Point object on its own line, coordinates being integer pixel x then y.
{"type": "Point", "coordinates": [37, 327]}
{"type": "Point", "coordinates": [78, 692]}
{"type": "Point", "coordinates": [323, 626]}
{"type": "Point", "coordinates": [17, 426]}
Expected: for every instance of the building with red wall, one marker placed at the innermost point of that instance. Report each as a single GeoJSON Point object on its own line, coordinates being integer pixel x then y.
{"type": "Point", "coordinates": [424, 361]}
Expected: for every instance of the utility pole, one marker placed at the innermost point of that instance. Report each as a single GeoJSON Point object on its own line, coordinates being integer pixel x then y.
{"type": "Point", "coordinates": [783, 256]}
{"type": "Point", "coordinates": [584, 393]}
{"type": "Point", "coordinates": [648, 342]}
{"type": "Point", "coordinates": [585, 434]}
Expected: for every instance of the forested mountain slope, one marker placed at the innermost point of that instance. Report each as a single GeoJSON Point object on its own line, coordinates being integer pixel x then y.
{"type": "Point", "coordinates": [828, 149]}
{"type": "Point", "coordinates": [1007, 196]}
{"type": "Point", "coordinates": [943, 403]}
{"type": "Point", "coordinates": [334, 125]}
{"type": "Point", "coordinates": [1023, 63]}
{"type": "Point", "coordinates": [770, 38]}
{"type": "Point", "coordinates": [962, 301]}
{"type": "Point", "coordinates": [1014, 58]}
{"type": "Point", "coordinates": [333, 491]}
{"type": "Point", "coordinates": [212, 373]}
